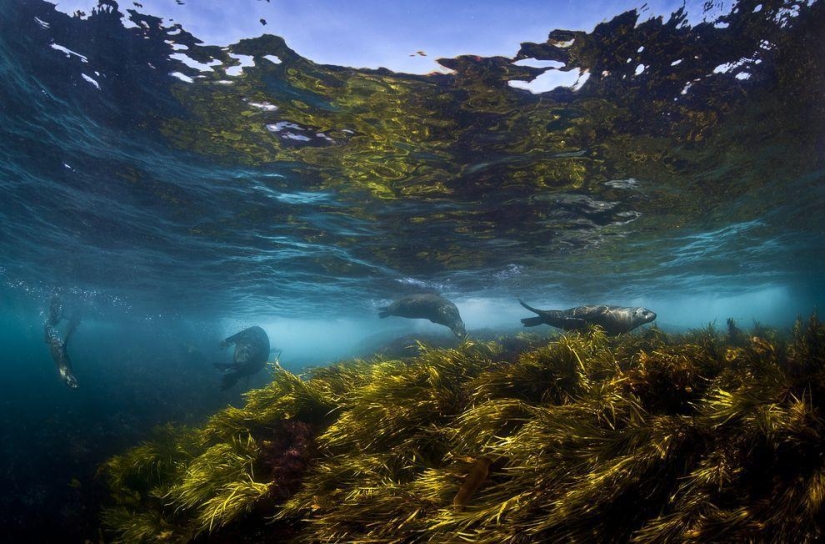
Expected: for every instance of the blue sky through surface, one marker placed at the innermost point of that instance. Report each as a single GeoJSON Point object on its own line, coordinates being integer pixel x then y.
{"type": "Point", "coordinates": [373, 34]}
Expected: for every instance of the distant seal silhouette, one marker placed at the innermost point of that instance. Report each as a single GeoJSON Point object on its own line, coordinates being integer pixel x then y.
{"type": "Point", "coordinates": [613, 319]}
{"type": "Point", "coordinates": [57, 345]}
{"type": "Point", "coordinates": [433, 307]}
{"type": "Point", "coordinates": [251, 354]}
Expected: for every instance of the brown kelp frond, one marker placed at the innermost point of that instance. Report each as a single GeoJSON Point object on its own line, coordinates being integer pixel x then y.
{"type": "Point", "coordinates": [485, 423]}
{"type": "Point", "coordinates": [669, 380]}
{"type": "Point", "coordinates": [636, 466]}
{"type": "Point", "coordinates": [807, 348]}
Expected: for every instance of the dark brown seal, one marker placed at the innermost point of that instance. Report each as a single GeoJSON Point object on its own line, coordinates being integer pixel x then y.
{"type": "Point", "coordinates": [433, 307]}
{"type": "Point", "coordinates": [57, 345]}
{"type": "Point", "coordinates": [251, 354]}
{"type": "Point", "coordinates": [613, 319]}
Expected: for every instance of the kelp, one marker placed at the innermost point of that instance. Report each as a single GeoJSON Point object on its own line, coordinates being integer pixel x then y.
{"type": "Point", "coordinates": [647, 437]}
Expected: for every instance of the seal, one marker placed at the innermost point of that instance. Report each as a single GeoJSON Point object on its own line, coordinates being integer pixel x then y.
{"type": "Point", "coordinates": [613, 319]}
{"type": "Point", "coordinates": [433, 307]}
{"type": "Point", "coordinates": [251, 354]}
{"type": "Point", "coordinates": [57, 345]}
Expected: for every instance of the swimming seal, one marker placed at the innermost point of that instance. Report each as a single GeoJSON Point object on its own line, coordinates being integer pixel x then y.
{"type": "Point", "coordinates": [613, 319]}
{"type": "Point", "coordinates": [251, 354]}
{"type": "Point", "coordinates": [433, 307]}
{"type": "Point", "coordinates": [57, 345]}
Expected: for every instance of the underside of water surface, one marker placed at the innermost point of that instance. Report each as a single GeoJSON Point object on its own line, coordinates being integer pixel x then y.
{"type": "Point", "coordinates": [687, 161]}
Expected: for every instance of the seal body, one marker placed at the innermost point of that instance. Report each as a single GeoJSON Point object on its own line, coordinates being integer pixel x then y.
{"type": "Point", "coordinates": [251, 354]}
{"type": "Point", "coordinates": [57, 345]}
{"type": "Point", "coordinates": [613, 319]}
{"type": "Point", "coordinates": [433, 307]}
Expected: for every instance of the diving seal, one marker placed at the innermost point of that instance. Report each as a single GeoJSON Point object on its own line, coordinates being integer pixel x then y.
{"type": "Point", "coordinates": [57, 345]}
{"type": "Point", "coordinates": [251, 354]}
{"type": "Point", "coordinates": [433, 307]}
{"type": "Point", "coordinates": [613, 319]}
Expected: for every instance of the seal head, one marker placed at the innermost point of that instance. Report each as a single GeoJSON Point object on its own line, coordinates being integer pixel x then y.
{"type": "Point", "coordinates": [433, 307]}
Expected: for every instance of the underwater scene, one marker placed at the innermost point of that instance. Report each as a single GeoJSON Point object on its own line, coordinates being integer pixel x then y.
{"type": "Point", "coordinates": [396, 272]}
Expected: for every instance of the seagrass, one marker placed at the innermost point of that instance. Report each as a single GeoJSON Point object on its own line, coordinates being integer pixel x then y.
{"type": "Point", "coordinates": [704, 437]}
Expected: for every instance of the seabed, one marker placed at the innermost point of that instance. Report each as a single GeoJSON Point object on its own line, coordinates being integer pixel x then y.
{"type": "Point", "coordinates": [710, 436]}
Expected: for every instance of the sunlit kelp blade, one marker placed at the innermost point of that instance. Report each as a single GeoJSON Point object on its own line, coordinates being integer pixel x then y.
{"type": "Point", "coordinates": [441, 447]}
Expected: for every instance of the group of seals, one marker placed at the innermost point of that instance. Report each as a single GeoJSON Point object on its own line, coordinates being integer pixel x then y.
{"type": "Point", "coordinates": [252, 344]}
{"type": "Point", "coordinates": [613, 319]}
{"type": "Point", "coordinates": [57, 345]}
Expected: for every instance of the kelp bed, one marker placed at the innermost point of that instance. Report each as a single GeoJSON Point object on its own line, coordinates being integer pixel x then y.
{"type": "Point", "coordinates": [705, 437]}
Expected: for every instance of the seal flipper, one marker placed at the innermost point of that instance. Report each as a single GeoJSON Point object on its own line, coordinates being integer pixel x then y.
{"type": "Point", "coordinates": [532, 321]}
{"type": "Point", "coordinates": [534, 310]}
{"type": "Point", "coordinates": [229, 380]}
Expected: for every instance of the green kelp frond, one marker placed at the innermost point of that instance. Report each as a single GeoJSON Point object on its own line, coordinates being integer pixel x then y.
{"type": "Point", "coordinates": [286, 397]}
{"type": "Point", "coordinates": [144, 467]}
{"type": "Point", "coordinates": [142, 527]}
{"type": "Point", "coordinates": [229, 502]}
{"type": "Point", "coordinates": [218, 467]}
{"type": "Point", "coordinates": [398, 405]}
{"type": "Point", "coordinates": [706, 437]}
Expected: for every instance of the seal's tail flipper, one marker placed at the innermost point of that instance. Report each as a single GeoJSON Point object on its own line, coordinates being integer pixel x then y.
{"type": "Point", "coordinates": [532, 321]}
{"type": "Point", "coordinates": [383, 312]}
{"type": "Point", "coordinates": [534, 310]}
{"type": "Point", "coordinates": [74, 321]}
{"type": "Point", "coordinates": [55, 310]}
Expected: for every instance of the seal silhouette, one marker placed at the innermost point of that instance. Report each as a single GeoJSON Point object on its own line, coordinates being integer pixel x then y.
{"type": "Point", "coordinates": [57, 345]}
{"type": "Point", "coordinates": [251, 354]}
{"type": "Point", "coordinates": [428, 306]}
{"type": "Point", "coordinates": [613, 319]}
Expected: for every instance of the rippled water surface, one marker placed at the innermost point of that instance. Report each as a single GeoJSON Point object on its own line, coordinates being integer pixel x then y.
{"type": "Point", "coordinates": [172, 189]}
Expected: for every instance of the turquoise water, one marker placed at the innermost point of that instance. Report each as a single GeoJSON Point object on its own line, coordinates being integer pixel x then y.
{"type": "Point", "coordinates": [173, 205]}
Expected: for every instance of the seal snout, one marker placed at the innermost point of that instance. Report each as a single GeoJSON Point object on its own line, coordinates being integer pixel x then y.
{"type": "Point", "coordinates": [646, 315]}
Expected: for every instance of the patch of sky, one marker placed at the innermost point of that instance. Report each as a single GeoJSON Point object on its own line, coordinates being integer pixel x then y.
{"type": "Point", "coordinates": [553, 79]}
{"type": "Point", "coordinates": [244, 61]}
{"type": "Point", "coordinates": [182, 77]}
{"type": "Point", "coordinates": [192, 63]}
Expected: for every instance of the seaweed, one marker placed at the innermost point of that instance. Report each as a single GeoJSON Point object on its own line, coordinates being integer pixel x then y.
{"type": "Point", "coordinates": [645, 437]}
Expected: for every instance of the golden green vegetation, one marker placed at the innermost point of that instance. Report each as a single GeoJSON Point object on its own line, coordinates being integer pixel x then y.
{"type": "Point", "coordinates": [704, 437]}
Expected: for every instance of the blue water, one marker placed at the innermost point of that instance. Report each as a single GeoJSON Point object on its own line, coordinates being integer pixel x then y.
{"type": "Point", "coordinates": [303, 197]}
